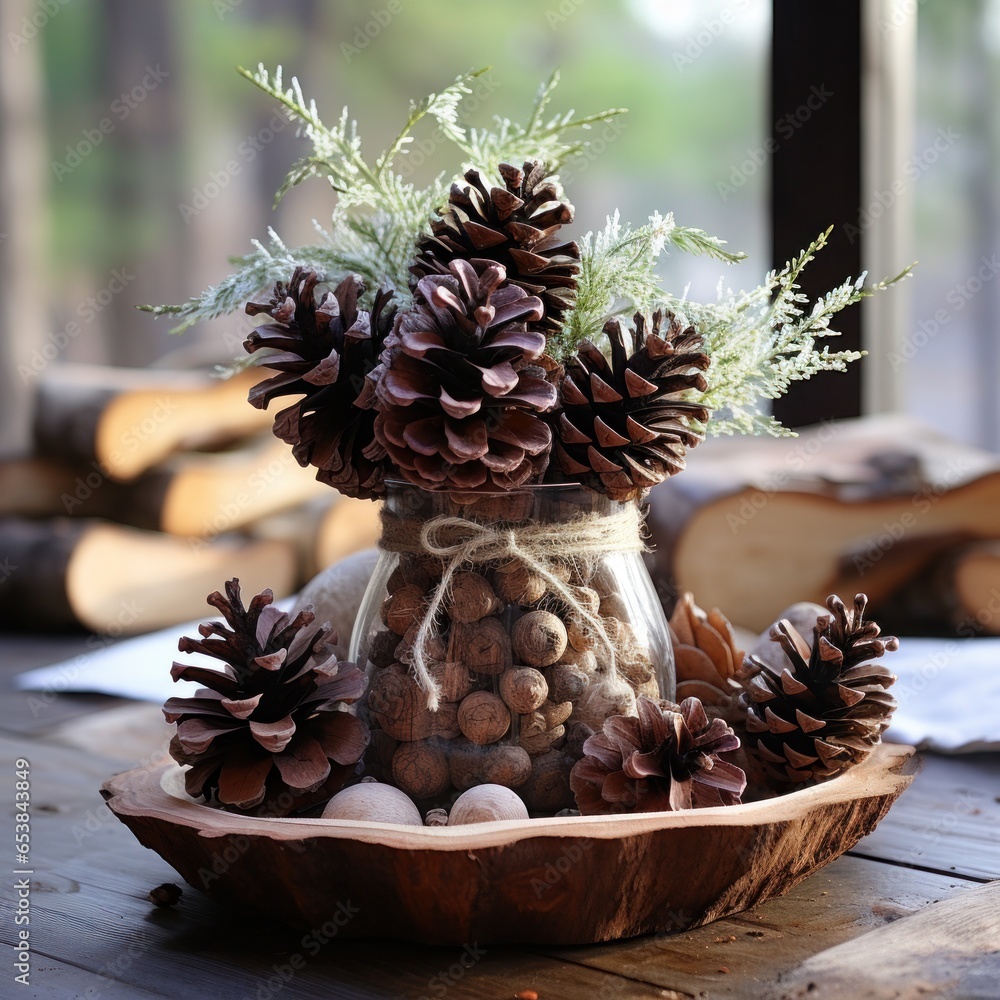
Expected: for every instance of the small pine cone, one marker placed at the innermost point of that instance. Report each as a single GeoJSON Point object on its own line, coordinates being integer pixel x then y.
{"type": "Point", "coordinates": [666, 758]}
{"type": "Point", "coordinates": [705, 654]}
{"type": "Point", "coordinates": [463, 382]}
{"type": "Point", "coordinates": [625, 425]}
{"type": "Point", "coordinates": [824, 708]}
{"type": "Point", "coordinates": [325, 352]}
{"type": "Point", "coordinates": [514, 226]}
{"type": "Point", "coordinates": [269, 724]}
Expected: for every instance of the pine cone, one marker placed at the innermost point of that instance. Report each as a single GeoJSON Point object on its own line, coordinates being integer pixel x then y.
{"type": "Point", "coordinates": [514, 226]}
{"type": "Point", "coordinates": [325, 351]}
{"type": "Point", "coordinates": [464, 378]}
{"type": "Point", "coordinates": [269, 723]}
{"type": "Point", "coordinates": [824, 709]}
{"type": "Point", "coordinates": [667, 758]}
{"type": "Point", "coordinates": [705, 654]}
{"type": "Point", "coordinates": [625, 426]}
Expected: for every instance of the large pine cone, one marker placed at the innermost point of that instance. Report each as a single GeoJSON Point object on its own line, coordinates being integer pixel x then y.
{"type": "Point", "coordinates": [667, 758]}
{"type": "Point", "coordinates": [626, 425]}
{"type": "Point", "coordinates": [464, 378]}
{"type": "Point", "coordinates": [513, 225]}
{"type": "Point", "coordinates": [269, 723]}
{"type": "Point", "coordinates": [823, 708]}
{"type": "Point", "coordinates": [325, 351]}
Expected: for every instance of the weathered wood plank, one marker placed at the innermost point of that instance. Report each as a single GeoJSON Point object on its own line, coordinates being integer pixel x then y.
{"type": "Point", "coordinates": [51, 979]}
{"type": "Point", "coordinates": [843, 902]}
{"type": "Point", "coordinates": [948, 820]}
{"type": "Point", "coordinates": [949, 949]}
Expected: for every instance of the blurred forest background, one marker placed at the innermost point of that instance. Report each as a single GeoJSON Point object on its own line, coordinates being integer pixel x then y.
{"type": "Point", "coordinates": [135, 160]}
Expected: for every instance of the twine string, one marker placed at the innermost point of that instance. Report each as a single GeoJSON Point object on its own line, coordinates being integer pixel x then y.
{"type": "Point", "coordinates": [457, 542]}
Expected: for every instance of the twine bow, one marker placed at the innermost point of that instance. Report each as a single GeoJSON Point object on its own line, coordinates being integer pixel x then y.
{"type": "Point", "coordinates": [457, 542]}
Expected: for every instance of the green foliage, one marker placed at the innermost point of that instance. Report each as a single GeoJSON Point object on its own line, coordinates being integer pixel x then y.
{"type": "Point", "coordinates": [378, 215]}
{"type": "Point", "coordinates": [763, 340]}
{"type": "Point", "coordinates": [618, 272]}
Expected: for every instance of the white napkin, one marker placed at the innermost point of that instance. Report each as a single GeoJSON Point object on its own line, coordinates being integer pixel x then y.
{"type": "Point", "coordinates": [948, 693]}
{"type": "Point", "coordinates": [948, 689]}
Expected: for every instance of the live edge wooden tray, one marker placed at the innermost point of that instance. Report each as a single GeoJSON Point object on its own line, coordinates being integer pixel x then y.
{"type": "Point", "coordinates": [571, 880]}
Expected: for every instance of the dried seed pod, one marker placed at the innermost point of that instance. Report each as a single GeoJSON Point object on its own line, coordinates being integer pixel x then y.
{"type": "Point", "coordinates": [375, 803]}
{"type": "Point", "coordinates": [504, 764]}
{"type": "Point", "coordinates": [408, 570]}
{"type": "Point", "coordinates": [517, 584]}
{"type": "Point", "coordinates": [399, 706]}
{"type": "Point", "coordinates": [587, 599]}
{"type": "Point", "coordinates": [523, 689]}
{"type": "Point", "coordinates": [487, 804]}
{"type": "Point", "coordinates": [483, 646]}
{"type": "Point", "coordinates": [421, 769]}
{"type": "Point", "coordinates": [471, 598]}
{"type": "Point", "coordinates": [541, 742]}
{"type": "Point", "coordinates": [547, 788]}
{"type": "Point", "coordinates": [635, 666]}
{"type": "Point", "coordinates": [577, 733]}
{"type": "Point", "coordinates": [436, 817]}
{"type": "Point", "coordinates": [567, 682]}
{"type": "Point", "coordinates": [539, 638]}
{"type": "Point", "coordinates": [403, 609]}
{"type": "Point", "coordinates": [382, 649]}
{"type": "Point", "coordinates": [483, 717]}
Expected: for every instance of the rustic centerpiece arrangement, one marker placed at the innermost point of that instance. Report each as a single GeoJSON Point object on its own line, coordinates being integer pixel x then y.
{"type": "Point", "coordinates": [511, 395]}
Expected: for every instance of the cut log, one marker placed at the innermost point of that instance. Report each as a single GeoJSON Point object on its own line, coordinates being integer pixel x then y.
{"type": "Point", "coordinates": [192, 494]}
{"type": "Point", "coordinates": [114, 580]}
{"type": "Point", "coordinates": [756, 524]}
{"type": "Point", "coordinates": [569, 880]}
{"type": "Point", "coordinates": [129, 420]}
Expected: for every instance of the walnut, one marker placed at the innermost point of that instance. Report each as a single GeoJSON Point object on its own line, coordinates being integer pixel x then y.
{"type": "Point", "coordinates": [471, 598]}
{"type": "Point", "coordinates": [382, 649]}
{"type": "Point", "coordinates": [399, 706]}
{"type": "Point", "coordinates": [408, 570]}
{"type": "Point", "coordinates": [420, 768]}
{"type": "Point", "coordinates": [607, 696]}
{"type": "Point", "coordinates": [567, 682]}
{"type": "Point", "coordinates": [523, 689]}
{"type": "Point", "coordinates": [498, 764]}
{"type": "Point", "coordinates": [453, 679]}
{"type": "Point", "coordinates": [539, 638]}
{"type": "Point", "coordinates": [483, 717]}
{"type": "Point", "coordinates": [541, 742]}
{"type": "Point", "coordinates": [613, 606]}
{"type": "Point", "coordinates": [577, 733]}
{"type": "Point", "coordinates": [547, 788]}
{"type": "Point", "coordinates": [403, 609]}
{"type": "Point", "coordinates": [483, 646]}
{"type": "Point", "coordinates": [582, 659]}
{"type": "Point", "coordinates": [516, 584]}
{"type": "Point", "coordinates": [504, 764]}
{"type": "Point", "coordinates": [434, 646]}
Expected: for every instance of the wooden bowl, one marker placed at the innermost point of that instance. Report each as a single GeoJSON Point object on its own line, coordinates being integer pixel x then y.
{"type": "Point", "coordinates": [571, 880]}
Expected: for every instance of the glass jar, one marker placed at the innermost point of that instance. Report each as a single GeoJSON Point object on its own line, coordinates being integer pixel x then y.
{"type": "Point", "coordinates": [498, 631]}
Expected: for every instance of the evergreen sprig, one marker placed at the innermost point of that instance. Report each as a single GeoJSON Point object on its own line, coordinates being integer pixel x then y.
{"type": "Point", "coordinates": [618, 272]}
{"type": "Point", "coordinates": [378, 215]}
{"type": "Point", "coordinates": [762, 340]}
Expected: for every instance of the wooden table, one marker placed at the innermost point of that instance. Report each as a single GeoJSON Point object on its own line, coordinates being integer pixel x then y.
{"type": "Point", "coordinates": [909, 913]}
